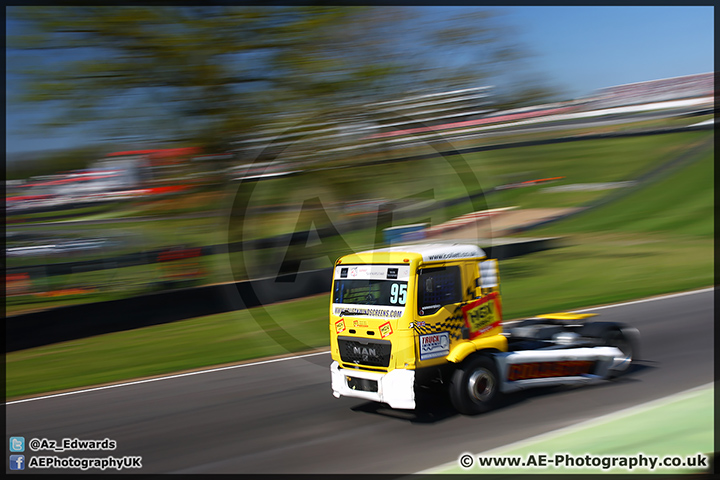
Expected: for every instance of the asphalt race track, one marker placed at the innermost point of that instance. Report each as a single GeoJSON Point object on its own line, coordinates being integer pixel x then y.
{"type": "Point", "coordinates": [281, 417]}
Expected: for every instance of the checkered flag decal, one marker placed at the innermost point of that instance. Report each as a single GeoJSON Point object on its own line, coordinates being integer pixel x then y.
{"type": "Point", "coordinates": [452, 324]}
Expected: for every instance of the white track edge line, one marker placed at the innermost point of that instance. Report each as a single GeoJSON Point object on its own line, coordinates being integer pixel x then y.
{"type": "Point", "coordinates": [651, 299]}
{"type": "Point", "coordinates": [632, 302]}
{"type": "Point", "coordinates": [625, 412]}
{"type": "Point", "coordinates": [211, 370]}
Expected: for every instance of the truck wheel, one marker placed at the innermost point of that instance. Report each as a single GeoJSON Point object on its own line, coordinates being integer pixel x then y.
{"type": "Point", "coordinates": [624, 337]}
{"type": "Point", "coordinates": [475, 385]}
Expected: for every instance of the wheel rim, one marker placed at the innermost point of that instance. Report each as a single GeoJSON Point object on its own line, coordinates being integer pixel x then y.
{"type": "Point", "coordinates": [481, 385]}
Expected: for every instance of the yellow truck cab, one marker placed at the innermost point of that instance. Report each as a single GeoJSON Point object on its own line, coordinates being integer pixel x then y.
{"type": "Point", "coordinates": [403, 316]}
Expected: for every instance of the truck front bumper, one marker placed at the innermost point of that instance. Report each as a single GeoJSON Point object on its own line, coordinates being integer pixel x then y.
{"type": "Point", "coordinates": [396, 388]}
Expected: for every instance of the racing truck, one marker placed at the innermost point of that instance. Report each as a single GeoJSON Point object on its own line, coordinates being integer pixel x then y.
{"type": "Point", "coordinates": [405, 317]}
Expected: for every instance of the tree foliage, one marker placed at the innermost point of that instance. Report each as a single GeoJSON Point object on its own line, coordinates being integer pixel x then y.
{"type": "Point", "coordinates": [205, 74]}
{"type": "Point", "coordinates": [32, 164]}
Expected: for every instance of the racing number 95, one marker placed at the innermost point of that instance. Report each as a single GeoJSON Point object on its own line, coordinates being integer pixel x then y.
{"type": "Point", "coordinates": [398, 293]}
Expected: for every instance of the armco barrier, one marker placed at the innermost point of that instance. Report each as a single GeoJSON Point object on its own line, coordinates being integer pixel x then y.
{"type": "Point", "coordinates": [79, 321]}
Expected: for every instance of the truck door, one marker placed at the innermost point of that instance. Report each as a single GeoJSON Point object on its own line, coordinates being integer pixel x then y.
{"type": "Point", "coordinates": [438, 319]}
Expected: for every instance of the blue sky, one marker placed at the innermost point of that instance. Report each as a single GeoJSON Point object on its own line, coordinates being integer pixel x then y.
{"type": "Point", "coordinates": [587, 48]}
{"type": "Point", "coordinates": [578, 49]}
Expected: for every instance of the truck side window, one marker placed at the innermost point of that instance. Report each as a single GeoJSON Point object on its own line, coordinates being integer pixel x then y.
{"type": "Point", "coordinates": [438, 287]}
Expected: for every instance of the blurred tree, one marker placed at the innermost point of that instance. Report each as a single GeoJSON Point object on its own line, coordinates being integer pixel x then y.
{"type": "Point", "coordinates": [32, 164]}
{"type": "Point", "coordinates": [524, 93]}
{"type": "Point", "coordinates": [203, 75]}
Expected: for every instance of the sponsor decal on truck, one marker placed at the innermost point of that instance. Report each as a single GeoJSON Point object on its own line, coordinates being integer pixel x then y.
{"type": "Point", "coordinates": [482, 315]}
{"type": "Point", "coordinates": [524, 371]}
{"type": "Point", "coordinates": [385, 330]}
{"type": "Point", "coordinates": [434, 345]}
{"type": "Point", "coordinates": [340, 325]}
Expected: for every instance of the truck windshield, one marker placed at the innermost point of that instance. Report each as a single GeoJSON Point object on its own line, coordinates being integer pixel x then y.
{"type": "Point", "coordinates": [373, 290]}
{"type": "Point", "coordinates": [388, 293]}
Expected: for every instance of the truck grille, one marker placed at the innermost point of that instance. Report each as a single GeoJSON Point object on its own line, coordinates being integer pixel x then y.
{"type": "Point", "coordinates": [374, 353]}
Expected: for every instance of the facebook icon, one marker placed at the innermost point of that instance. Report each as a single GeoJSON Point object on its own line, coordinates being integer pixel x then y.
{"type": "Point", "coordinates": [17, 462]}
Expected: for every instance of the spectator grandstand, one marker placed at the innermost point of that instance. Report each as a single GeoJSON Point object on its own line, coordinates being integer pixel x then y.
{"type": "Point", "coordinates": [675, 88]}
{"type": "Point", "coordinates": [430, 109]}
{"type": "Point", "coordinates": [354, 130]}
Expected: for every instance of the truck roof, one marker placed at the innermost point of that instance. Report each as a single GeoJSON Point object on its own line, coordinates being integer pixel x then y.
{"type": "Point", "coordinates": [434, 251]}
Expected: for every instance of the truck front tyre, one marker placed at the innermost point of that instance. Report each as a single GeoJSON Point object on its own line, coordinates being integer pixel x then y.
{"type": "Point", "coordinates": [475, 386]}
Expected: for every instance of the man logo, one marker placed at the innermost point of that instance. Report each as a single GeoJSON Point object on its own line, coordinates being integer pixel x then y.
{"type": "Point", "coordinates": [365, 353]}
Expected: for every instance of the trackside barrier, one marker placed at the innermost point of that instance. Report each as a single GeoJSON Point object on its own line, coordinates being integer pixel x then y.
{"type": "Point", "coordinates": [79, 321]}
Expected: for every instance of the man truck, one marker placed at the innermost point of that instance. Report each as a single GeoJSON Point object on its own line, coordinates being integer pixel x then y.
{"type": "Point", "coordinates": [404, 317]}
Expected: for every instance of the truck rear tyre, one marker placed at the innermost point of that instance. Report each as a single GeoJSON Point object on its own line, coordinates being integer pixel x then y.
{"type": "Point", "coordinates": [624, 337]}
{"type": "Point", "coordinates": [475, 385]}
